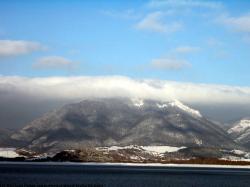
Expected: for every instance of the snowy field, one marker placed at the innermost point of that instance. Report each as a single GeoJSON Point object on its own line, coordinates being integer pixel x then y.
{"type": "Point", "coordinates": [161, 149]}
{"type": "Point", "coordinates": [8, 152]}
{"type": "Point", "coordinates": [150, 149]}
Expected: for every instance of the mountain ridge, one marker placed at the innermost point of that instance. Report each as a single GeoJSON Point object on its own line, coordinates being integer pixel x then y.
{"type": "Point", "coordinates": [121, 121]}
{"type": "Point", "coordinates": [240, 131]}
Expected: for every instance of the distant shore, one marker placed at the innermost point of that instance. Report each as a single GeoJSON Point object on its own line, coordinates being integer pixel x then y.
{"type": "Point", "coordinates": [190, 162]}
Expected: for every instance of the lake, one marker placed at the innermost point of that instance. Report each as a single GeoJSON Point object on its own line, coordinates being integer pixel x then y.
{"type": "Point", "coordinates": [122, 175]}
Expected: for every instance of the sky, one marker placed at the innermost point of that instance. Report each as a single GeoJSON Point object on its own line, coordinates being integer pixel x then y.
{"type": "Point", "coordinates": [185, 40]}
{"type": "Point", "coordinates": [193, 50]}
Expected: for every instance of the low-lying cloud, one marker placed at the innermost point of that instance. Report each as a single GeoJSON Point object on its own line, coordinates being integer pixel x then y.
{"type": "Point", "coordinates": [23, 99]}
{"type": "Point", "coordinates": [120, 86]}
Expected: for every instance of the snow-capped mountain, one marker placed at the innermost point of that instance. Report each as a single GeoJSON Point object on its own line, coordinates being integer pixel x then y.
{"type": "Point", "coordinates": [109, 122]}
{"type": "Point", "coordinates": [185, 108]}
{"type": "Point", "coordinates": [240, 131]}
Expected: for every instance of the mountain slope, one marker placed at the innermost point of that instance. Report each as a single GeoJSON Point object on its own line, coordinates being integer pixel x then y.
{"type": "Point", "coordinates": [240, 131]}
{"type": "Point", "coordinates": [107, 122]}
{"type": "Point", "coordinates": [5, 139]}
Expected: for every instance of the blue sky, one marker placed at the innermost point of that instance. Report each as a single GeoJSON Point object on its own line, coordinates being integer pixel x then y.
{"type": "Point", "coordinates": [186, 40]}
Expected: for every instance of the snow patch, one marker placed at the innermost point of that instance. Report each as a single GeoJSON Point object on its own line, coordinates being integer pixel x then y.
{"type": "Point", "coordinates": [138, 102]}
{"type": "Point", "coordinates": [185, 108]}
{"type": "Point", "coordinates": [8, 153]}
{"type": "Point", "coordinates": [238, 155]}
{"type": "Point", "coordinates": [240, 127]}
{"type": "Point", "coordinates": [198, 141]}
{"type": "Point", "coordinates": [238, 152]}
{"type": "Point", "coordinates": [135, 157]}
{"type": "Point", "coordinates": [150, 149]}
{"type": "Point", "coordinates": [115, 148]}
{"type": "Point", "coordinates": [161, 149]}
{"type": "Point", "coordinates": [161, 105]}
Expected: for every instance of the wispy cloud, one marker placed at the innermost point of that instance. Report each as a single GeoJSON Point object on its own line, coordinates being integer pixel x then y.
{"type": "Point", "coordinates": [54, 62]}
{"type": "Point", "coordinates": [173, 60]}
{"type": "Point", "coordinates": [186, 49]}
{"type": "Point", "coordinates": [154, 22]}
{"type": "Point", "coordinates": [214, 42]}
{"type": "Point", "coordinates": [185, 4]}
{"type": "Point", "coordinates": [18, 47]}
{"type": "Point", "coordinates": [239, 24]}
{"type": "Point", "coordinates": [169, 64]}
{"type": "Point", "coordinates": [125, 14]}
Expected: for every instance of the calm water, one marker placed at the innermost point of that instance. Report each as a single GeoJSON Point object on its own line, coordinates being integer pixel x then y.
{"type": "Point", "coordinates": [78, 175]}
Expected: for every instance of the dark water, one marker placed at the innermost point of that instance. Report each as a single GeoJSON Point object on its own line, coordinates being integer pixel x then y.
{"type": "Point", "coordinates": [78, 175]}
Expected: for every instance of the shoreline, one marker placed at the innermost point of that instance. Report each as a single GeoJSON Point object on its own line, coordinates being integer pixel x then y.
{"type": "Point", "coordinates": [167, 165]}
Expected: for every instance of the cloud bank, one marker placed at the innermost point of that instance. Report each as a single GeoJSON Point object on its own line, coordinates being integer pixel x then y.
{"type": "Point", "coordinates": [23, 99]}
{"type": "Point", "coordinates": [119, 86]}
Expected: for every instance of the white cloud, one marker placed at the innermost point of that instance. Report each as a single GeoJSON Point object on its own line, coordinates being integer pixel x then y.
{"type": "Point", "coordinates": [173, 59]}
{"type": "Point", "coordinates": [53, 62]}
{"type": "Point", "coordinates": [239, 24]}
{"type": "Point", "coordinates": [18, 47]}
{"type": "Point", "coordinates": [78, 88]}
{"type": "Point", "coordinates": [154, 22]}
{"type": "Point", "coordinates": [169, 64]}
{"type": "Point", "coordinates": [186, 49]}
{"type": "Point", "coordinates": [185, 4]}
{"type": "Point", "coordinates": [126, 14]}
{"type": "Point", "coordinates": [214, 42]}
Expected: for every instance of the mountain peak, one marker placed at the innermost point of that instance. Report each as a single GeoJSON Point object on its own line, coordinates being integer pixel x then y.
{"type": "Point", "coordinates": [180, 105]}
{"type": "Point", "coordinates": [119, 122]}
{"type": "Point", "coordinates": [138, 102]}
{"type": "Point", "coordinates": [240, 131]}
{"type": "Point", "coordinates": [240, 126]}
